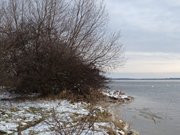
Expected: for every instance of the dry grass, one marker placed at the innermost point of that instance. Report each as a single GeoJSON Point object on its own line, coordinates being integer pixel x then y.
{"type": "Point", "coordinates": [21, 128]}
{"type": "Point", "coordinates": [85, 123]}
{"type": "Point", "coordinates": [65, 127]}
{"type": "Point", "coordinates": [91, 97]}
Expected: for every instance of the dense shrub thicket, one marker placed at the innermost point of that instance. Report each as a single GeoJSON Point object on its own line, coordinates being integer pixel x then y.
{"type": "Point", "coordinates": [48, 46]}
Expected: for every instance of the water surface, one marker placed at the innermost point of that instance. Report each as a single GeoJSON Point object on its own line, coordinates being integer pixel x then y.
{"type": "Point", "coordinates": [156, 108]}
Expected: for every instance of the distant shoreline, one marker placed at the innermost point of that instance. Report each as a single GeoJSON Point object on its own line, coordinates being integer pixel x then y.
{"type": "Point", "coordinates": [144, 78]}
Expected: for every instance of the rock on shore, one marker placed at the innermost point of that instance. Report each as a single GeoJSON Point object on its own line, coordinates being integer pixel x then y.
{"type": "Point", "coordinates": [117, 96]}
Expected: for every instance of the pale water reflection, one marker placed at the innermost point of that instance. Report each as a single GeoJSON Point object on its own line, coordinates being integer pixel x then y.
{"type": "Point", "coordinates": [155, 110]}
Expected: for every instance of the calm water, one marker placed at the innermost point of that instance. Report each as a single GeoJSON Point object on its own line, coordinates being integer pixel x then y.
{"type": "Point", "coordinates": [156, 108]}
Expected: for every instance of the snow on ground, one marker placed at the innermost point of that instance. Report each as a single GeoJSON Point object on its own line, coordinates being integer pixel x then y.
{"type": "Point", "coordinates": [32, 116]}
{"type": "Point", "coordinates": [14, 114]}
{"type": "Point", "coordinates": [117, 95]}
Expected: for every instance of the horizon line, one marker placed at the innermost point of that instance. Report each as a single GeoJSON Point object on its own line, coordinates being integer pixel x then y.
{"type": "Point", "coordinates": [144, 78]}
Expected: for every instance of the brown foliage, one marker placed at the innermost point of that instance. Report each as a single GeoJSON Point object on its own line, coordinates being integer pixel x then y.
{"type": "Point", "coordinates": [47, 46]}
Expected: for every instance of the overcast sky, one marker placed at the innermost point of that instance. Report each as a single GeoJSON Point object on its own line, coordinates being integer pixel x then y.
{"type": "Point", "coordinates": [150, 32]}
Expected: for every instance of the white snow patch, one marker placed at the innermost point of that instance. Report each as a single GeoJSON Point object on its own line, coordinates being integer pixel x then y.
{"type": "Point", "coordinates": [115, 94]}
{"type": "Point", "coordinates": [13, 114]}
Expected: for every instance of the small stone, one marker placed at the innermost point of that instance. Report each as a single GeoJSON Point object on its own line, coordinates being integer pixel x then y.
{"type": "Point", "coordinates": [126, 127]}
{"type": "Point", "coordinates": [132, 132]}
{"type": "Point", "coordinates": [121, 132]}
{"type": "Point", "coordinates": [120, 121]}
{"type": "Point", "coordinates": [23, 124]}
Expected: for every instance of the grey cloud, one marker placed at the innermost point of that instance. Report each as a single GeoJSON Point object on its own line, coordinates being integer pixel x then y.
{"type": "Point", "coordinates": [150, 32]}
{"type": "Point", "coordinates": [147, 25]}
{"type": "Point", "coordinates": [147, 16]}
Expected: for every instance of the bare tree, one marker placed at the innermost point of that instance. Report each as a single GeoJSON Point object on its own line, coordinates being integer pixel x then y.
{"type": "Point", "coordinates": [48, 44]}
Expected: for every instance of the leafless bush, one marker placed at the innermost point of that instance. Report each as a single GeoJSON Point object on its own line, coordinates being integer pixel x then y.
{"type": "Point", "coordinates": [64, 126]}
{"type": "Point", "coordinates": [47, 46]}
